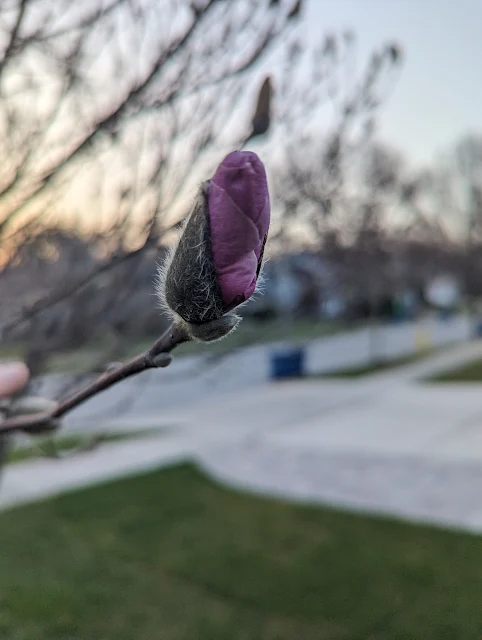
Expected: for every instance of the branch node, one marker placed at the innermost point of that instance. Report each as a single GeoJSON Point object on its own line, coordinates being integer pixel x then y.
{"type": "Point", "coordinates": [162, 360]}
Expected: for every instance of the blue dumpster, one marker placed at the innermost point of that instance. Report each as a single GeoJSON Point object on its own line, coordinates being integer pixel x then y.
{"type": "Point", "coordinates": [289, 363]}
{"type": "Point", "coordinates": [477, 330]}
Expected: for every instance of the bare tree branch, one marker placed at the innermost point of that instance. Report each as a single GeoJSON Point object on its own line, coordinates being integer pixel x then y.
{"type": "Point", "coordinates": [13, 35]}
{"type": "Point", "coordinates": [156, 356]}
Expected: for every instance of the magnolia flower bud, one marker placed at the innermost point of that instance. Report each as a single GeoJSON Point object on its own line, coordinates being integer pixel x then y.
{"type": "Point", "coordinates": [216, 264]}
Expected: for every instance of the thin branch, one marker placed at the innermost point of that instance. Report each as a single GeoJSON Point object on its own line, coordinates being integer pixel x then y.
{"type": "Point", "coordinates": [87, 22]}
{"type": "Point", "coordinates": [113, 115]}
{"type": "Point", "coordinates": [156, 356]}
{"type": "Point", "coordinates": [13, 35]}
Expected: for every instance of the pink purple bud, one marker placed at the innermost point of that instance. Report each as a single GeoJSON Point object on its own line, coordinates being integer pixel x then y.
{"type": "Point", "coordinates": [217, 261]}
{"type": "Point", "coordinates": [239, 215]}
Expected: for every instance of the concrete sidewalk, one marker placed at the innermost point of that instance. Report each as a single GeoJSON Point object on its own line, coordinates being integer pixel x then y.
{"type": "Point", "coordinates": [382, 444]}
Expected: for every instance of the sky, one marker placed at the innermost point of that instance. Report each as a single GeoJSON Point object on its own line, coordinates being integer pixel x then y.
{"type": "Point", "coordinates": [438, 97]}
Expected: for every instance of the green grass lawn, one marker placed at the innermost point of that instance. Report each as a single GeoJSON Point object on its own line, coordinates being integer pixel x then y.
{"type": "Point", "coordinates": [469, 372]}
{"type": "Point", "coordinates": [172, 556]}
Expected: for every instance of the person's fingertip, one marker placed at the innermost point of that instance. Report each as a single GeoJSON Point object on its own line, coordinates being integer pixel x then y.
{"type": "Point", "coordinates": [13, 377]}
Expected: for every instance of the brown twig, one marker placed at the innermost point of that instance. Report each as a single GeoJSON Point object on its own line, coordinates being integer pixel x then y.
{"type": "Point", "coordinates": [156, 356]}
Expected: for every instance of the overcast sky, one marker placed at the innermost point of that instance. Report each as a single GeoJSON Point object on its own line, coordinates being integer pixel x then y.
{"type": "Point", "coordinates": [439, 95]}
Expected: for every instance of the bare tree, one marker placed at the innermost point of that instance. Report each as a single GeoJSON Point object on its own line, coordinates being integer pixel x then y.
{"type": "Point", "coordinates": [327, 132]}
{"type": "Point", "coordinates": [83, 89]}
{"type": "Point", "coordinates": [464, 174]}
{"type": "Point", "coordinates": [444, 207]}
{"type": "Point", "coordinates": [332, 181]}
{"type": "Point", "coordinates": [109, 114]}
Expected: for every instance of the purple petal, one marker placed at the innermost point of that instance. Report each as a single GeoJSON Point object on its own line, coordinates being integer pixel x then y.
{"type": "Point", "coordinates": [239, 214]}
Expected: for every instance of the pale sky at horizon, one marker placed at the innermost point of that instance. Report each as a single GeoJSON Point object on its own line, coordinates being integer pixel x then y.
{"type": "Point", "coordinates": [438, 97]}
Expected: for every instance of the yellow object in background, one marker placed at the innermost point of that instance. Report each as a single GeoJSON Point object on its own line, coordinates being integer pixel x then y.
{"type": "Point", "coordinates": [423, 339]}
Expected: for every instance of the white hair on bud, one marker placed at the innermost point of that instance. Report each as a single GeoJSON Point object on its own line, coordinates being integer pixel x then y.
{"type": "Point", "coordinates": [161, 276]}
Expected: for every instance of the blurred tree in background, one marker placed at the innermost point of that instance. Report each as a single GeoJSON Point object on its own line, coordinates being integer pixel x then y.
{"type": "Point", "coordinates": [110, 112]}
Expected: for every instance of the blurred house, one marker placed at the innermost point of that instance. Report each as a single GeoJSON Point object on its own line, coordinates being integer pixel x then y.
{"type": "Point", "coordinates": [354, 283]}
{"type": "Point", "coordinates": [301, 285]}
